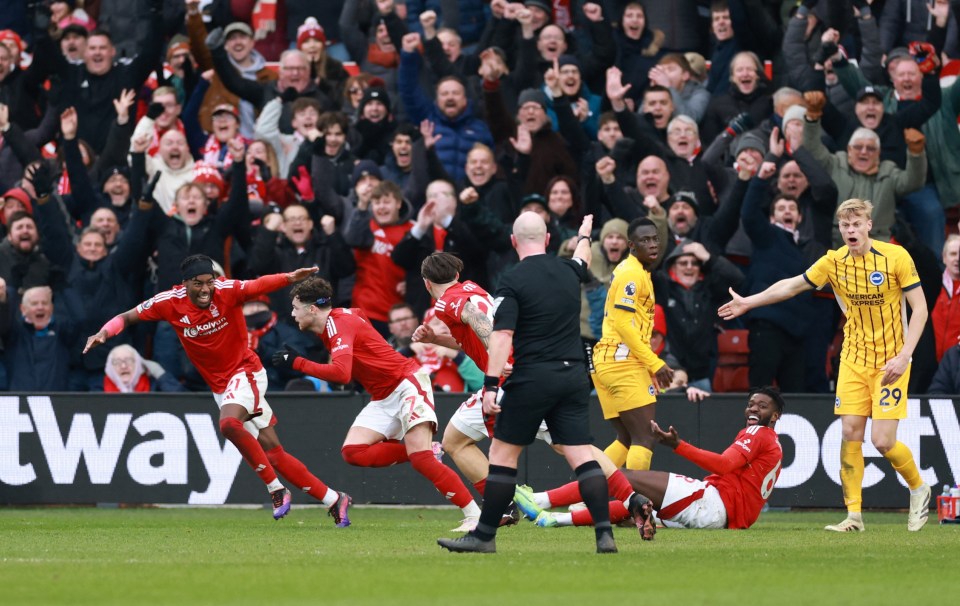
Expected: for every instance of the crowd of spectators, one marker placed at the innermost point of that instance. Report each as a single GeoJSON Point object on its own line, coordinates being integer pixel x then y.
{"type": "Point", "coordinates": [362, 135]}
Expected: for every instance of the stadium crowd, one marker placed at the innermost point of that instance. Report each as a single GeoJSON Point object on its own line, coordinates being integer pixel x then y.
{"type": "Point", "coordinates": [360, 136]}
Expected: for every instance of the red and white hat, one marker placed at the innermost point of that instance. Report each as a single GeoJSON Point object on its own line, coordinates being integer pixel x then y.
{"type": "Point", "coordinates": [204, 172]}
{"type": "Point", "coordinates": [9, 34]}
{"type": "Point", "coordinates": [310, 29]}
{"type": "Point", "coordinates": [228, 108]}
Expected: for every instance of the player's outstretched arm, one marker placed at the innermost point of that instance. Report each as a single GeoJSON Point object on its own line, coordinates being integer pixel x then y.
{"type": "Point", "coordinates": [112, 328]}
{"type": "Point", "coordinates": [779, 291]}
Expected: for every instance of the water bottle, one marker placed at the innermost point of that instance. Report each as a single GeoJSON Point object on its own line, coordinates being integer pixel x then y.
{"type": "Point", "coordinates": [946, 490]}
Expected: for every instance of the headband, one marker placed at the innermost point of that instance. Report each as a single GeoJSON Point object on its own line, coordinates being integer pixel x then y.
{"type": "Point", "coordinates": [197, 267]}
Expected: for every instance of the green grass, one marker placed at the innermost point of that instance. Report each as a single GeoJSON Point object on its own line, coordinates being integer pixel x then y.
{"type": "Point", "coordinates": [389, 556]}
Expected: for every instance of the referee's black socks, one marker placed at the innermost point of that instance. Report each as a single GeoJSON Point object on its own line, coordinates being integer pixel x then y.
{"type": "Point", "coordinates": [497, 494]}
{"type": "Point", "coordinates": [593, 491]}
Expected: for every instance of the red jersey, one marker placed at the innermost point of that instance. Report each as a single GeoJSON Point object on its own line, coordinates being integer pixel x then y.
{"type": "Point", "coordinates": [744, 474]}
{"type": "Point", "coordinates": [358, 353]}
{"type": "Point", "coordinates": [215, 338]}
{"type": "Point", "coordinates": [375, 289]}
{"type": "Point", "coordinates": [448, 309]}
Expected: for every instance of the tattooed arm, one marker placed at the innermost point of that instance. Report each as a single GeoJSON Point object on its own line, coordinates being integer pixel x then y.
{"type": "Point", "coordinates": [478, 321]}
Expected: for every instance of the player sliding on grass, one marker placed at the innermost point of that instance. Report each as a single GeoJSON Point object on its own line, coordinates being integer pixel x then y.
{"type": "Point", "coordinates": [402, 407]}
{"type": "Point", "coordinates": [744, 476]}
{"type": "Point", "coordinates": [207, 314]}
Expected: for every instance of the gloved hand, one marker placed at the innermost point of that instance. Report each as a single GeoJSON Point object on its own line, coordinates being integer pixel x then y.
{"type": "Point", "coordinates": [739, 124]}
{"type": "Point", "coordinates": [303, 182]}
{"type": "Point", "coordinates": [815, 101]}
{"type": "Point", "coordinates": [289, 94]}
{"type": "Point", "coordinates": [155, 110]}
{"type": "Point", "coordinates": [925, 55]}
{"type": "Point", "coordinates": [265, 173]}
{"type": "Point", "coordinates": [42, 179]}
{"type": "Point", "coordinates": [147, 195]}
{"type": "Point", "coordinates": [285, 357]}
{"type": "Point", "coordinates": [915, 140]}
{"type": "Point", "coordinates": [827, 50]}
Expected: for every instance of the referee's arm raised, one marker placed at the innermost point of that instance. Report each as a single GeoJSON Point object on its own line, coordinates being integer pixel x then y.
{"type": "Point", "coordinates": [582, 251]}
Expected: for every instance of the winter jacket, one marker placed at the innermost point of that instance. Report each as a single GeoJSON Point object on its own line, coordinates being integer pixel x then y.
{"type": "Point", "coordinates": [776, 256]}
{"type": "Point", "coordinates": [94, 291]}
{"type": "Point", "coordinates": [884, 188]}
{"type": "Point", "coordinates": [943, 137]}
{"type": "Point", "coordinates": [37, 360]}
{"type": "Point", "coordinates": [691, 312]}
{"type": "Point", "coordinates": [947, 378]}
{"type": "Point", "coordinates": [218, 94]}
{"type": "Point", "coordinates": [725, 107]}
{"type": "Point", "coordinates": [273, 252]}
{"type": "Point", "coordinates": [458, 135]}
{"type": "Point", "coordinates": [946, 315]}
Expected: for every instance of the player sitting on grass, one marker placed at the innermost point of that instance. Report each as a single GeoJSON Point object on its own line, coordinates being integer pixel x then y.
{"type": "Point", "coordinates": [743, 478]}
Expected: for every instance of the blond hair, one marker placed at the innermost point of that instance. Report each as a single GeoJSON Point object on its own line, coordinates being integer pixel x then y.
{"type": "Point", "coordinates": [855, 206]}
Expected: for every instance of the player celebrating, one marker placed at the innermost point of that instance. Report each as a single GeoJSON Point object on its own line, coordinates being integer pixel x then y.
{"type": "Point", "coordinates": [627, 371]}
{"type": "Point", "coordinates": [402, 407]}
{"type": "Point", "coordinates": [467, 310]}
{"type": "Point", "coordinates": [743, 475]}
{"type": "Point", "coordinates": [207, 314]}
{"type": "Point", "coordinates": [871, 280]}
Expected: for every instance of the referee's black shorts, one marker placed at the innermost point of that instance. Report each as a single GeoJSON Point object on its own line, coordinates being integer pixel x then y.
{"type": "Point", "coordinates": [555, 392]}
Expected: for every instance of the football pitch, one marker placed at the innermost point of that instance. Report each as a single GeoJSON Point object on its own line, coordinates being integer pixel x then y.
{"type": "Point", "coordinates": [389, 556]}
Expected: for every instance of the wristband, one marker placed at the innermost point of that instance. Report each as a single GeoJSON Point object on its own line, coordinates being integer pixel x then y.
{"type": "Point", "coordinates": [587, 238]}
{"type": "Point", "coordinates": [114, 327]}
{"type": "Point", "coordinates": [490, 382]}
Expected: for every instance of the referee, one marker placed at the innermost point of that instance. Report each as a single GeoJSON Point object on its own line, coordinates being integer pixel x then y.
{"type": "Point", "coordinates": [538, 315]}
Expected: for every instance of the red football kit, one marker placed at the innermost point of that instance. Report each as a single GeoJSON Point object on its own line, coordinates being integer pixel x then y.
{"type": "Point", "coordinates": [450, 306]}
{"type": "Point", "coordinates": [375, 289]}
{"type": "Point", "coordinates": [358, 353]}
{"type": "Point", "coordinates": [215, 338]}
{"type": "Point", "coordinates": [744, 474]}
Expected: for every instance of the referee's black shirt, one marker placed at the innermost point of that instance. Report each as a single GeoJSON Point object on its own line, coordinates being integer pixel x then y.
{"type": "Point", "coordinates": [539, 299]}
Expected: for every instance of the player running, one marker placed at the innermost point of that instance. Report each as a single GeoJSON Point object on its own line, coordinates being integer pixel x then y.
{"type": "Point", "coordinates": [207, 315]}
{"type": "Point", "coordinates": [402, 407]}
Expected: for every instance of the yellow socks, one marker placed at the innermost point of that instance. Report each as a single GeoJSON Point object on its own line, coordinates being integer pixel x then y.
{"type": "Point", "coordinates": [617, 453]}
{"type": "Point", "coordinates": [851, 474]}
{"type": "Point", "coordinates": [639, 458]}
{"type": "Point", "coordinates": [902, 460]}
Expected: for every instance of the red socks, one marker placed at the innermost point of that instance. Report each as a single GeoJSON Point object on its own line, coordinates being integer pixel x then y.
{"type": "Point", "coordinates": [232, 429]}
{"type": "Point", "coordinates": [381, 454]}
{"type": "Point", "coordinates": [480, 485]}
{"type": "Point", "coordinates": [618, 512]}
{"type": "Point", "coordinates": [292, 469]}
{"type": "Point", "coordinates": [619, 486]}
{"type": "Point", "coordinates": [447, 482]}
{"type": "Point", "coordinates": [568, 494]}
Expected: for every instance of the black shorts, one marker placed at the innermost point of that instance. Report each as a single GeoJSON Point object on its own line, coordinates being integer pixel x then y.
{"type": "Point", "coordinates": [555, 392]}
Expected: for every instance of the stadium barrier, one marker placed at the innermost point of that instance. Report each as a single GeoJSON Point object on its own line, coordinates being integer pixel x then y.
{"type": "Point", "coordinates": [166, 448]}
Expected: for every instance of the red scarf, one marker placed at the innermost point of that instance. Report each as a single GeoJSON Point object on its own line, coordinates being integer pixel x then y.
{"type": "Point", "coordinates": [254, 334]}
{"type": "Point", "coordinates": [382, 58]}
{"type": "Point", "coordinates": [143, 384]}
{"type": "Point", "coordinates": [439, 238]}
